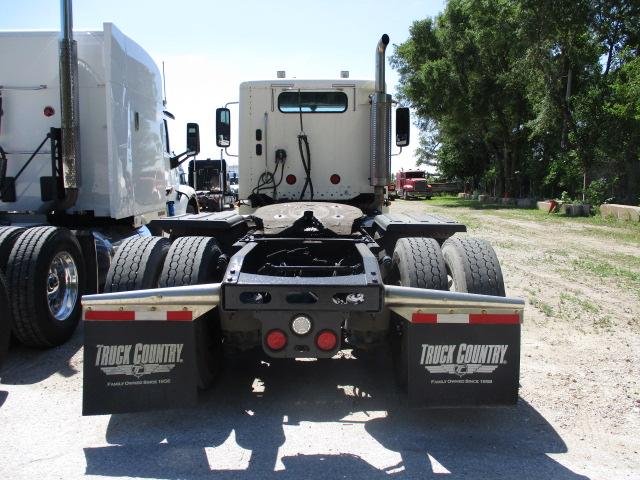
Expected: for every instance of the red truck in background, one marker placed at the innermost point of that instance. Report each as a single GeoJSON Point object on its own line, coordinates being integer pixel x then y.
{"type": "Point", "coordinates": [412, 183]}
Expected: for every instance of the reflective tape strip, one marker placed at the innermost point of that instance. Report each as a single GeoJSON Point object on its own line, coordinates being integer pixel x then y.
{"type": "Point", "coordinates": [494, 318]}
{"type": "Point", "coordinates": [453, 318]}
{"type": "Point", "coordinates": [424, 318]}
{"type": "Point", "coordinates": [180, 316]}
{"type": "Point", "coordinates": [467, 318]}
{"type": "Point", "coordinates": [116, 315]}
{"type": "Point", "coordinates": [119, 315]}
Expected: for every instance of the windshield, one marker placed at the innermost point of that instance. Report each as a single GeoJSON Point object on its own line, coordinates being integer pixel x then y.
{"type": "Point", "coordinates": [415, 175]}
{"type": "Point", "coordinates": [312, 102]}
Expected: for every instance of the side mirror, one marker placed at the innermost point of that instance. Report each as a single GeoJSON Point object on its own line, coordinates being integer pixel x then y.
{"type": "Point", "coordinates": [193, 138]}
{"type": "Point", "coordinates": [223, 127]}
{"type": "Point", "coordinates": [402, 126]}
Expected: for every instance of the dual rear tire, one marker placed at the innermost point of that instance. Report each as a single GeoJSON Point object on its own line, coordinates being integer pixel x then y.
{"type": "Point", "coordinates": [151, 262]}
{"type": "Point", "coordinates": [466, 265]}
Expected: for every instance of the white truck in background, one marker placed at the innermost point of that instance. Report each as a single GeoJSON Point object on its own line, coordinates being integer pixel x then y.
{"type": "Point", "coordinates": [85, 162]}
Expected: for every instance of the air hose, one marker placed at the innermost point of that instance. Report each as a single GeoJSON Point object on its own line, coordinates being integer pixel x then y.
{"type": "Point", "coordinates": [303, 146]}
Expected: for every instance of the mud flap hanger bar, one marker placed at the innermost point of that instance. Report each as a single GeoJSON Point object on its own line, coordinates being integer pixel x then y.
{"type": "Point", "coordinates": [197, 298]}
{"type": "Point", "coordinates": [407, 302]}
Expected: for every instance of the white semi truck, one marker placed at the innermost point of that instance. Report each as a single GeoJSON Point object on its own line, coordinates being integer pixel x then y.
{"type": "Point", "coordinates": [311, 265]}
{"type": "Point", "coordinates": [85, 161]}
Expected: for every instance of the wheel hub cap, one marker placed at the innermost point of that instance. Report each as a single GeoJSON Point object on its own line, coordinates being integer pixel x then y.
{"type": "Point", "coordinates": [62, 286]}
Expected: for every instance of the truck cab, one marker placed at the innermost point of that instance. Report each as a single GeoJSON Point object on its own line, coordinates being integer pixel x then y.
{"type": "Point", "coordinates": [412, 184]}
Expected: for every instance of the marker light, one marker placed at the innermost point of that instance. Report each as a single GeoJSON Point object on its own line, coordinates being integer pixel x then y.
{"type": "Point", "coordinates": [326, 340]}
{"type": "Point", "coordinates": [335, 179]}
{"type": "Point", "coordinates": [291, 179]}
{"type": "Point", "coordinates": [276, 340]}
{"type": "Point", "coordinates": [301, 325]}
{"type": "Point", "coordinates": [48, 111]}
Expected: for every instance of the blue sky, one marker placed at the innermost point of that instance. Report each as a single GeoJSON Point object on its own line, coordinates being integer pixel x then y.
{"type": "Point", "coordinates": [209, 47]}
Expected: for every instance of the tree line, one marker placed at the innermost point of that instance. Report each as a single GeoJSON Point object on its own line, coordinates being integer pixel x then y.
{"type": "Point", "coordinates": [529, 97]}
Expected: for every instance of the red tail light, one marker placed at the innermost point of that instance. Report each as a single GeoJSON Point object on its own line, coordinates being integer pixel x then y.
{"type": "Point", "coordinates": [326, 340]}
{"type": "Point", "coordinates": [291, 179]}
{"type": "Point", "coordinates": [276, 340]}
{"type": "Point", "coordinates": [335, 179]}
{"type": "Point", "coordinates": [49, 111]}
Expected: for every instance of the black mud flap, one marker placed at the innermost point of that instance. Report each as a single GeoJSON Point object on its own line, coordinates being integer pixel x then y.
{"type": "Point", "coordinates": [453, 364]}
{"type": "Point", "coordinates": [132, 366]}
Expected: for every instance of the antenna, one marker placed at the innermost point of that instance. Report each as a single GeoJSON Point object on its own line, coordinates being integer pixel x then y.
{"type": "Point", "coordinates": [164, 87]}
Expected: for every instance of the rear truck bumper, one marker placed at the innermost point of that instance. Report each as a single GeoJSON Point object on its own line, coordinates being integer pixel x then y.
{"type": "Point", "coordinates": [140, 346]}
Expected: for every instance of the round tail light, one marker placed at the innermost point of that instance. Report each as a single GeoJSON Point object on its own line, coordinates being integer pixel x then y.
{"type": "Point", "coordinates": [326, 340]}
{"type": "Point", "coordinates": [335, 179]}
{"type": "Point", "coordinates": [276, 340]}
{"type": "Point", "coordinates": [49, 111]}
{"type": "Point", "coordinates": [291, 179]}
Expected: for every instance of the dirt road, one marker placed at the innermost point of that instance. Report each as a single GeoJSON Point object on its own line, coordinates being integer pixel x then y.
{"type": "Point", "coordinates": [578, 415]}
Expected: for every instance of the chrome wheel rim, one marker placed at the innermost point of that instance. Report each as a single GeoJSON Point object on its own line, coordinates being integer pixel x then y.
{"type": "Point", "coordinates": [62, 286]}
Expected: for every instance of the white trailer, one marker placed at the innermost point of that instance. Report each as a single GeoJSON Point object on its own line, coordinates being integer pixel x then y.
{"type": "Point", "coordinates": [85, 161]}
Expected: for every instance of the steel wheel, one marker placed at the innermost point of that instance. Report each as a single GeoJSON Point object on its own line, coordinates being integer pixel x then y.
{"type": "Point", "coordinates": [62, 286]}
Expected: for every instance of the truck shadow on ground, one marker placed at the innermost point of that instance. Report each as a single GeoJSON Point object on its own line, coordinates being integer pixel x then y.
{"type": "Point", "coordinates": [469, 443]}
{"type": "Point", "coordinates": [26, 366]}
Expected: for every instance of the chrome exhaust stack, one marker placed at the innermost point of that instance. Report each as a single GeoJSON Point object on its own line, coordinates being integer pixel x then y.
{"type": "Point", "coordinates": [380, 153]}
{"type": "Point", "coordinates": [69, 106]}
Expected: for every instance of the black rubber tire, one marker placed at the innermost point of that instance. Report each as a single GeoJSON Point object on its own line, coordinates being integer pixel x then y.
{"type": "Point", "coordinates": [8, 236]}
{"type": "Point", "coordinates": [194, 261]}
{"type": "Point", "coordinates": [417, 263]}
{"type": "Point", "coordinates": [27, 276]}
{"type": "Point", "coordinates": [473, 266]}
{"type": "Point", "coordinates": [191, 261]}
{"type": "Point", "coordinates": [137, 264]}
{"type": "Point", "coordinates": [5, 320]}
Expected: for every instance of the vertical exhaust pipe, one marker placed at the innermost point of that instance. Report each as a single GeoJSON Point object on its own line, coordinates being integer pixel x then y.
{"type": "Point", "coordinates": [380, 153]}
{"type": "Point", "coordinates": [380, 63]}
{"type": "Point", "coordinates": [69, 107]}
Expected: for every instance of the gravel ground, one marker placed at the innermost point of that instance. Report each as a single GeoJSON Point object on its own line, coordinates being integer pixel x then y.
{"type": "Point", "coordinates": [578, 415]}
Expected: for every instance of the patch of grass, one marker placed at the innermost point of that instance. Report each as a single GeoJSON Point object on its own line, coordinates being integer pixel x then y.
{"type": "Point", "coordinates": [603, 321]}
{"type": "Point", "coordinates": [582, 302]}
{"type": "Point", "coordinates": [619, 230]}
{"type": "Point", "coordinates": [542, 306]}
{"type": "Point", "coordinates": [604, 269]}
{"type": "Point", "coordinates": [630, 261]}
{"type": "Point", "coordinates": [506, 244]}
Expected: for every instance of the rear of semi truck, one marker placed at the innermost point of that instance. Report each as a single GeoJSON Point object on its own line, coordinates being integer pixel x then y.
{"type": "Point", "coordinates": [313, 266]}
